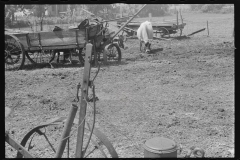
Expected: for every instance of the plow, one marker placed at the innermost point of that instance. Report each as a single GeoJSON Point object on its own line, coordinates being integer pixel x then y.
{"type": "Point", "coordinates": [89, 138]}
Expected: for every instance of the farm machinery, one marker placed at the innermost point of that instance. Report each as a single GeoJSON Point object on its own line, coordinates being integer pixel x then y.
{"type": "Point", "coordinates": [163, 29]}
{"type": "Point", "coordinates": [39, 47]}
{"type": "Point", "coordinates": [86, 132]}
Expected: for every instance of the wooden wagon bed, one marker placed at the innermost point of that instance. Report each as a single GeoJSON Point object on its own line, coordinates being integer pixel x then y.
{"type": "Point", "coordinates": [64, 39]}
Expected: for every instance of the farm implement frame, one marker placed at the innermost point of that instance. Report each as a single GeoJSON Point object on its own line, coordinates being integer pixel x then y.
{"type": "Point", "coordinates": [164, 29]}
{"type": "Point", "coordinates": [41, 47]}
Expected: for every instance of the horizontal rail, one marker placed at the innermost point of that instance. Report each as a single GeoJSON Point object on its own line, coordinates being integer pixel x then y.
{"type": "Point", "coordinates": [73, 46]}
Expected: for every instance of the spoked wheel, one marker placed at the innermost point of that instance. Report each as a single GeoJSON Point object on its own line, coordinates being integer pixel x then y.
{"type": "Point", "coordinates": [41, 56]}
{"type": "Point", "coordinates": [164, 32]}
{"type": "Point", "coordinates": [14, 53]}
{"type": "Point", "coordinates": [99, 146]}
{"type": "Point", "coordinates": [113, 52]}
{"type": "Point", "coordinates": [42, 141]}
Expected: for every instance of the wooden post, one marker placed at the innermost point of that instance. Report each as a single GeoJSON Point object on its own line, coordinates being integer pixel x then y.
{"type": "Point", "coordinates": [56, 10]}
{"type": "Point", "coordinates": [95, 54]}
{"type": "Point", "coordinates": [35, 24]}
{"type": "Point", "coordinates": [181, 15]}
{"type": "Point", "coordinates": [83, 103]}
{"type": "Point", "coordinates": [233, 35]}
{"type": "Point", "coordinates": [177, 17]}
{"type": "Point", "coordinates": [150, 17]}
{"type": "Point", "coordinates": [104, 56]}
{"type": "Point", "coordinates": [207, 29]}
{"type": "Point", "coordinates": [66, 131]}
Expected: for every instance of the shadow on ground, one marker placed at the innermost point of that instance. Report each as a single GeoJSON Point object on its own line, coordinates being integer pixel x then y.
{"type": "Point", "coordinates": [75, 64]}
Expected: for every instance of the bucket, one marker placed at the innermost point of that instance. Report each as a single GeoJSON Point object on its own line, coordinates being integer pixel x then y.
{"type": "Point", "coordinates": [160, 147]}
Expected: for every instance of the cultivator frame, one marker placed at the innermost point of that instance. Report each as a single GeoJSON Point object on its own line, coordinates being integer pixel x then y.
{"type": "Point", "coordinates": [69, 121]}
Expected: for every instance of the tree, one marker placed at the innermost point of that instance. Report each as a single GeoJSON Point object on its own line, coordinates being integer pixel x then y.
{"type": "Point", "coordinates": [9, 12]}
{"type": "Point", "coordinates": [39, 11]}
{"type": "Point", "coordinates": [155, 9]}
{"type": "Point", "coordinates": [196, 7]}
{"type": "Point", "coordinates": [104, 11]}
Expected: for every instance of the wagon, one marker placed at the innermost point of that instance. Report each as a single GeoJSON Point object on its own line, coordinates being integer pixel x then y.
{"type": "Point", "coordinates": [165, 28]}
{"type": "Point", "coordinates": [41, 47]}
{"type": "Point", "coordinates": [160, 29]}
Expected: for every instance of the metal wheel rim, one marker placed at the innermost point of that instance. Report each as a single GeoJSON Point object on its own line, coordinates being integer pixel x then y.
{"type": "Point", "coordinates": [99, 138]}
{"type": "Point", "coordinates": [113, 54]}
{"type": "Point", "coordinates": [14, 53]}
{"type": "Point", "coordinates": [165, 31]}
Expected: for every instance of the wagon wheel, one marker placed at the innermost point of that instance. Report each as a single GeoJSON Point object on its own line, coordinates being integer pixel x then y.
{"type": "Point", "coordinates": [99, 142]}
{"type": "Point", "coordinates": [41, 56]}
{"type": "Point", "coordinates": [100, 146]}
{"type": "Point", "coordinates": [164, 32]}
{"type": "Point", "coordinates": [14, 53]}
{"type": "Point", "coordinates": [113, 52]}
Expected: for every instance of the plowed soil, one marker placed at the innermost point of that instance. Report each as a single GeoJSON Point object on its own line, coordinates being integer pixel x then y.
{"type": "Point", "coordinates": [183, 91]}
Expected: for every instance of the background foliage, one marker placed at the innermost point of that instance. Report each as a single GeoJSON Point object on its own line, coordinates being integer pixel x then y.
{"type": "Point", "coordinates": [106, 11]}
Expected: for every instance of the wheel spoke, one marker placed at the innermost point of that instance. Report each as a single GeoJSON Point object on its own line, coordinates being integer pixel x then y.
{"type": "Point", "coordinates": [95, 147]}
{"type": "Point", "coordinates": [14, 53]}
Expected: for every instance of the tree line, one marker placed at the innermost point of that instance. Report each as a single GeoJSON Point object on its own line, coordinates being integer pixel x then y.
{"type": "Point", "coordinates": [106, 11]}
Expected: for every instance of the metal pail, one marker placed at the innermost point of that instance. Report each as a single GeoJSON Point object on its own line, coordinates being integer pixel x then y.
{"type": "Point", "coordinates": [160, 147]}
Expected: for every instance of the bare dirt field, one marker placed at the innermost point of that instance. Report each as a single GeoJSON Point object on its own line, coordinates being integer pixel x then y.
{"type": "Point", "coordinates": [184, 92]}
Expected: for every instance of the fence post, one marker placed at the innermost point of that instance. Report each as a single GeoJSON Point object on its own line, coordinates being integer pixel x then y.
{"type": "Point", "coordinates": [150, 17]}
{"type": "Point", "coordinates": [177, 17]}
{"type": "Point", "coordinates": [233, 35]}
{"type": "Point", "coordinates": [207, 29]}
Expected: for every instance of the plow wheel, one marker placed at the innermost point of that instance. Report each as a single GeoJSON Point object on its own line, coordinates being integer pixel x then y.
{"type": "Point", "coordinates": [164, 32]}
{"type": "Point", "coordinates": [14, 53]}
{"type": "Point", "coordinates": [43, 140]}
{"type": "Point", "coordinates": [99, 146]}
{"type": "Point", "coordinates": [113, 52]}
{"type": "Point", "coordinates": [41, 56]}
